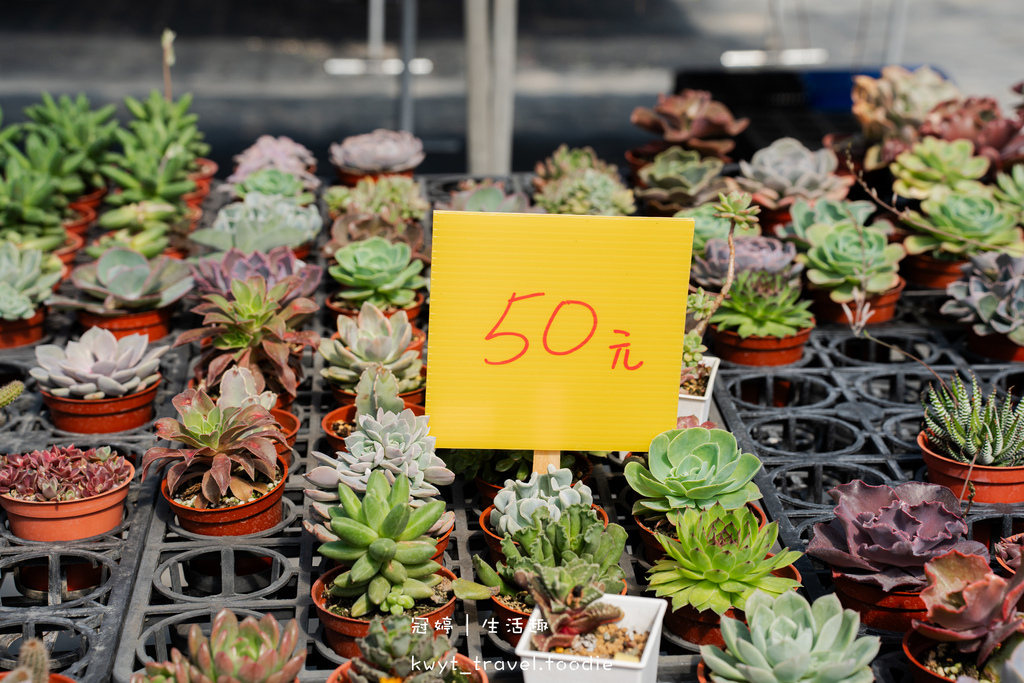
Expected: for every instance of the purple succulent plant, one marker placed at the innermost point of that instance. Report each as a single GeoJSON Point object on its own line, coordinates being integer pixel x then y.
{"type": "Point", "coordinates": [281, 153]}
{"type": "Point", "coordinates": [766, 254]}
{"type": "Point", "coordinates": [1009, 550]}
{"type": "Point", "coordinates": [214, 276]}
{"type": "Point", "coordinates": [62, 473]}
{"type": "Point", "coordinates": [884, 536]}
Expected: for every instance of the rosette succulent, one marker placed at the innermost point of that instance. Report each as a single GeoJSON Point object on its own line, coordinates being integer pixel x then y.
{"type": "Point", "coordinates": [62, 473]}
{"type": "Point", "coordinates": [844, 257]}
{"type": "Point", "coordinates": [487, 195]}
{"type": "Point", "coordinates": [932, 164]}
{"type": "Point", "coordinates": [979, 120]}
{"type": "Point", "coordinates": [719, 560]}
{"type": "Point", "coordinates": [786, 171]}
{"type": "Point", "coordinates": [763, 305]}
{"type": "Point", "coordinates": [250, 652]}
{"type": "Point", "coordinates": [761, 254]}
{"type": "Point", "coordinates": [566, 161]}
{"type": "Point", "coordinates": [587, 192]}
{"type": "Point", "coordinates": [789, 640]}
{"type": "Point", "coordinates": [1009, 550]}
{"type": "Point", "coordinates": [386, 442]}
{"type": "Point", "coordinates": [215, 275]}
{"type": "Point", "coordinates": [393, 651]}
{"type": "Point", "coordinates": [382, 151]}
{"type": "Point", "coordinates": [990, 296]}
{"type": "Point", "coordinates": [274, 181]}
{"type": "Point", "coordinates": [259, 223]}
{"type": "Point", "coordinates": [98, 366]}
{"type": "Point", "coordinates": [970, 429]}
{"type": "Point", "coordinates": [553, 490]}
{"type": "Point", "coordinates": [1010, 190]}
{"type": "Point", "coordinates": [27, 279]}
{"type": "Point", "coordinates": [124, 281]}
{"type": "Point", "coordinates": [826, 212]}
{"type": "Point", "coordinates": [695, 120]}
{"type": "Point", "coordinates": [679, 178]}
{"type": "Point", "coordinates": [695, 468]}
{"type": "Point", "coordinates": [884, 536]}
{"type": "Point", "coordinates": [970, 606]}
{"type": "Point", "coordinates": [968, 223]}
{"type": "Point", "coordinates": [708, 226]}
{"type": "Point", "coordinates": [281, 153]}
{"type": "Point", "coordinates": [388, 206]}
{"type": "Point", "coordinates": [370, 339]}
{"type": "Point", "coordinates": [379, 272]}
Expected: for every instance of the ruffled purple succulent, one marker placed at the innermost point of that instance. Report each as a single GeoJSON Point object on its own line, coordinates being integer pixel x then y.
{"type": "Point", "coordinates": [214, 276]}
{"type": "Point", "coordinates": [884, 536]}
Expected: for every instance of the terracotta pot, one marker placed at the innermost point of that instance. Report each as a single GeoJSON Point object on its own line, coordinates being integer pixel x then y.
{"type": "Point", "coordinates": [494, 540]}
{"type": "Point", "coordinates": [760, 351]}
{"type": "Point", "coordinates": [915, 647]}
{"type": "Point", "coordinates": [250, 518]}
{"type": "Point", "coordinates": [931, 273]}
{"type": "Point", "coordinates": [991, 484]}
{"type": "Point", "coordinates": [156, 324]}
{"type": "Point", "coordinates": [348, 414]}
{"type": "Point", "coordinates": [419, 338]}
{"type": "Point", "coordinates": [702, 672]}
{"type": "Point", "coordinates": [652, 548]}
{"type": "Point", "coordinates": [704, 628]}
{"type": "Point", "coordinates": [15, 333]}
{"type": "Point", "coordinates": [101, 416]}
{"type": "Point", "coordinates": [196, 197]}
{"type": "Point", "coordinates": [508, 617]}
{"type": "Point", "coordinates": [488, 490]}
{"type": "Point", "coordinates": [892, 611]}
{"type": "Point", "coordinates": [177, 254]}
{"type": "Point", "coordinates": [79, 225]}
{"type": "Point", "coordinates": [341, 632]}
{"type": "Point", "coordinates": [352, 178]}
{"type": "Point", "coordinates": [412, 312]}
{"type": "Point", "coordinates": [883, 306]}
{"type": "Point", "coordinates": [70, 249]}
{"type": "Point", "coordinates": [340, 675]}
{"type": "Point", "coordinates": [89, 201]}
{"type": "Point", "coordinates": [994, 346]}
{"type": "Point", "coordinates": [54, 677]}
{"type": "Point", "coordinates": [773, 218]}
{"type": "Point", "coordinates": [290, 426]}
{"type": "Point", "coordinates": [69, 520]}
{"type": "Point", "coordinates": [195, 214]}
{"type": "Point", "coordinates": [302, 252]}
{"type": "Point", "coordinates": [416, 397]}
{"type": "Point", "coordinates": [79, 577]}
{"type": "Point", "coordinates": [204, 174]}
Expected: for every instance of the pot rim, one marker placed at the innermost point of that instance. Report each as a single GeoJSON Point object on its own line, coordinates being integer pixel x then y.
{"type": "Point", "coordinates": [911, 638]}
{"type": "Point", "coordinates": [101, 401]}
{"type": "Point", "coordinates": [176, 506]}
{"type": "Point", "coordinates": [39, 505]}
{"type": "Point", "coordinates": [803, 332]}
{"type": "Point", "coordinates": [321, 605]}
{"type": "Point", "coordinates": [923, 444]}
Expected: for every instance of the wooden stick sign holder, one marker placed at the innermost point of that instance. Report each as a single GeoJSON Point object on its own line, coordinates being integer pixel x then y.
{"type": "Point", "coordinates": [541, 460]}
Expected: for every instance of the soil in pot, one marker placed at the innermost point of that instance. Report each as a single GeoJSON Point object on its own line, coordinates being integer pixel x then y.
{"type": "Point", "coordinates": [994, 346]}
{"type": "Point", "coordinates": [991, 484]}
{"type": "Point", "coordinates": [892, 611]}
{"type": "Point", "coordinates": [101, 416]}
{"type": "Point", "coordinates": [16, 333]}
{"type": "Point", "coordinates": [648, 535]}
{"type": "Point", "coordinates": [760, 351]}
{"type": "Point", "coordinates": [931, 273]}
{"type": "Point", "coordinates": [883, 306]}
{"type": "Point", "coordinates": [155, 324]}
{"type": "Point", "coordinates": [932, 662]}
{"type": "Point", "coordinates": [513, 611]}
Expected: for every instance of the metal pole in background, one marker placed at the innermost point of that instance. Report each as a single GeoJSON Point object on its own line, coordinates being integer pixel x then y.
{"type": "Point", "coordinates": [504, 83]}
{"type": "Point", "coordinates": [405, 112]}
{"type": "Point", "coordinates": [375, 30]}
{"type": "Point", "coordinates": [896, 31]}
{"type": "Point", "coordinates": [479, 134]}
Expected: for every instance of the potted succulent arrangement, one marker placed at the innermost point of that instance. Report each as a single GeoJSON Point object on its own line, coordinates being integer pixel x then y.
{"type": "Point", "coordinates": [126, 293]}
{"type": "Point", "coordinates": [879, 542]}
{"type": "Point", "coordinates": [381, 152]}
{"type": "Point", "coordinates": [27, 279]}
{"type": "Point", "coordinates": [394, 650]}
{"type": "Point", "coordinates": [253, 650]}
{"type": "Point", "coordinates": [486, 195]}
{"type": "Point", "coordinates": [575, 626]}
{"type": "Point", "coordinates": [281, 153]}
{"type": "Point", "coordinates": [694, 467]}
{"type": "Point", "coordinates": [990, 296]}
{"type": "Point", "coordinates": [33, 213]}
{"type": "Point", "coordinates": [980, 121]}
{"type": "Point", "coordinates": [760, 254]}
{"type": "Point", "coordinates": [389, 206]}
{"type": "Point", "coordinates": [377, 388]}
{"type": "Point", "coordinates": [490, 469]}
{"type": "Point", "coordinates": [973, 624]}
{"type": "Point", "coordinates": [592, 188]}
{"type": "Point", "coordinates": [99, 384]}
{"type": "Point", "coordinates": [379, 272]}
{"type": "Point", "coordinates": [566, 161]}
{"type": "Point", "coordinates": [787, 633]}
{"type": "Point", "coordinates": [214, 275]}
{"type": "Point", "coordinates": [260, 223]}
{"type": "Point", "coordinates": [577, 541]}
{"type": "Point", "coordinates": [804, 216]}
{"type": "Point", "coordinates": [972, 440]}
{"type": "Point", "coordinates": [708, 225]}
{"type": "Point", "coordinates": [146, 227]}
{"type": "Point", "coordinates": [717, 559]}
{"type": "Point", "coordinates": [274, 181]}
{"type": "Point", "coordinates": [680, 179]}
{"type": "Point", "coordinates": [229, 478]}
{"type": "Point", "coordinates": [932, 166]}
{"type": "Point", "coordinates": [771, 324]}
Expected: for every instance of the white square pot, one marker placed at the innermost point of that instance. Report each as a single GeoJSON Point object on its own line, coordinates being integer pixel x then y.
{"type": "Point", "coordinates": [700, 406]}
{"type": "Point", "coordinates": [640, 614]}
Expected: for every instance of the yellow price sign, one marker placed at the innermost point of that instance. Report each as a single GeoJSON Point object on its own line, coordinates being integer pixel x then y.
{"type": "Point", "coordinates": [552, 332]}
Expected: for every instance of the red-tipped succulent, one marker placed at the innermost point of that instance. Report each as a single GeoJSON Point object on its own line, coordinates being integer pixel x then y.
{"type": "Point", "coordinates": [885, 536]}
{"type": "Point", "coordinates": [980, 120]}
{"type": "Point", "coordinates": [693, 119]}
{"type": "Point", "coordinates": [62, 473]}
{"type": "Point", "coordinates": [969, 605]}
{"type": "Point", "coordinates": [215, 275]}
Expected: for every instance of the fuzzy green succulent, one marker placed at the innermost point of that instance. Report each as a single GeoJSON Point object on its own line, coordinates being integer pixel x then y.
{"type": "Point", "coordinates": [27, 279]}
{"type": "Point", "coordinates": [825, 212]}
{"type": "Point", "coordinates": [566, 161]}
{"type": "Point", "coordinates": [932, 164]}
{"type": "Point", "coordinates": [693, 468]}
{"type": "Point", "coordinates": [789, 640]}
{"type": "Point", "coordinates": [44, 153]}
{"type": "Point", "coordinates": [968, 428]}
{"type": "Point", "coordinates": [371, 338]}
{"type": "Point", "coordinates": [515, 504]}
{"type": "Point", "coordinates": [844, 257]}
{"type": "Point", "coordinates": [719, 560]}
{"type": "Point", "coordinates": [708, 226]}
{"type": "Point", "coordinates": [273, 181]}
{"type": "Point", "coordinates": [259, 223]}
{"type": "Point", "coordinates": [32, 209]}
{"type": "Point", "coordinates": [679, 178]}
{"type": "Point", "coordinates": [786, 171]}
{"type": "Point", "coordinates": [1010, 190]}
{"type": "Point", "coordinates": [393, 652]}
{"type": "Point", "coordinates": [969, 224]}
{"type": "Point", "coordinates": [990, 295]}
{"type": "Point", "coordinates": [587, 192]}
{"type": "Point", "coordinates": [395, 197]}
{"type": "Point", "coordinates": [763, 305]}
{"type": "Point", "coordinates": [377, 271]}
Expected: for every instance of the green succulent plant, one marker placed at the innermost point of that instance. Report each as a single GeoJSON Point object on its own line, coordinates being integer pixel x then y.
{"type": "Point", "coordinates": [396, 197]}
{"type": "Point", "coordinates": [786, 171]}
{"type": "Point", "coordinates": [517, 501]}
{"type": "Point", "coordinates": [763, 305]}
{"type": "Point", "coordinates": [990, 296]}
{"type": "Point", "coordinates": [260, 223]}
{"type": "Point", "coordinates": [587, 192]}
{"type": "Point", "coordinates": [566, 161]}
{"type": "Point", "coordinates": [844, 257]}
{"type": "Point", "coordinates": [969, 224]}
{"type": "Point", "coordinates": [970, 429]}
{"type": "Point", "coordinates": [789, 640]}
{"type": "Point", "coordinates": [160, 123]}
{"type": "Point", "coordinates": [273, 181]}
{"type": "Point", "coordinates": [145, 173]}
{"type": "Point", "coordinates": [825, 212]}
{"type": "Point", "coordinates": [377, 389]}
{"type": "Point", "coordinates": [680, 178]}
{"type": "Point", "coordinates": [719, 560]}
{"type": "Point", "coordinates": [932, 164]}
{"type": "Point", "coordinates": [44, 153]}
{"type": "Point", "coordinates": [140, 217]}
{"type": "Point", "coordinates": [150, 242]}
{"type": "Point", "coordinates": [123, 281]}
{"type": "Point", "coordinates": [27, 279]}
{"type": "Point", "coordinates": [382, 542]}
{"type": "Point", "coordinates": [487, 195]}
{"type": "Point", "coordinates": [379, 272]}
{"type": "Point", "coordinates": [368, 339]}
{"type": "Point", "coordinates": [1010, 190]}
{"type": "Point", "coordinates": [392, 652]}
{"type": "Point", "coordinates": [708, 226]}
{"type": "Point", "coordinates": [693, 468]}
{"type": "Point", "coordinates": [32, 209]}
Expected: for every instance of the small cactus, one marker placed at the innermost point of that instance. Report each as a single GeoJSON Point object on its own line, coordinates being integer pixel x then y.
{"type": "Point", "coordinates": [10, 391]}
{"type": "Point", "coordinates": [33, 662]}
